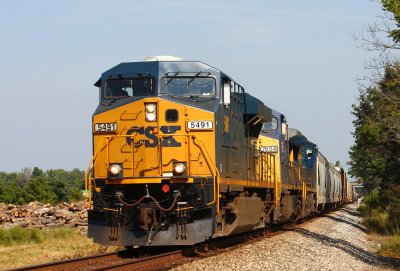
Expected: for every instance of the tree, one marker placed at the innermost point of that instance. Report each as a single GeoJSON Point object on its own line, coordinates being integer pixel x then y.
{"type": "Point", "coordinates": [393, 6]}
{"type": "Point", "coordinates": [51, 186]}
{"type": "Point", "coordinates": [10, 189]}
{"type": "Point", "coordinates": [39, 189]}
{"type": "Point", "coordinates": [382, 39]}
{"type": "Point", "coordinates": [24, 175]}
{"type": "Point", "coordinates": [37, 172]}
{"type": "Point", "coordinates": [375, 156]}
{"type": "Point", "coordinates": [376, 153]}
{"type": "Point", "coordinates": [66, 185]}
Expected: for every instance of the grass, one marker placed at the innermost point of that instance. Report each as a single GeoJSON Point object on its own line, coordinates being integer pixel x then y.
{"type": "Point", "coordinates": [378, 220]}
{"type": "Point", "coordinates": [391, 246]}
{"type": "Point", "coordinates": [21, 247]}
{"type": "Point", "coordinates": [387, 245]}
{"type": "Point", "coordinates": [385, 232]}
{"type": "Point", "coordinates": [19, 235]}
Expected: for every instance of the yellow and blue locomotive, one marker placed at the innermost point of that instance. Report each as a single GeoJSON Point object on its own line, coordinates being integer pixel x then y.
{"type": "Point", "coordinates": [182, 154]}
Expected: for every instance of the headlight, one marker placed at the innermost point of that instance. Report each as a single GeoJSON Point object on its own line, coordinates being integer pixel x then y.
{"type": "Point", "coordinates": [151, 111]}
{"type": "Point", "coordinates": [150, 108]}
{"type": "Point", "coordinates": [150, 116]}
{"type": "Point", "coordinates": [115, 169]}
{"type": "Point", "coordinates": [179, 167]}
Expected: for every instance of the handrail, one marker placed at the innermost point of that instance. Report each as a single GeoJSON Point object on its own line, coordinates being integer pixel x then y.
{"type": "Point", "coordinates": [216, 176]}
{"type": "Point", "coordinates": [272, 175]}
{"type": "Point", "coordinates": [88, 177]}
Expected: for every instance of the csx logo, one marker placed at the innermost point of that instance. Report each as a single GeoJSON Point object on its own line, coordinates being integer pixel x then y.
{"type": "Point", "coordinates": [152, 139]}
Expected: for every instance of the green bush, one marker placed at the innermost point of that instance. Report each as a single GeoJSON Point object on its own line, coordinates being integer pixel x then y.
{"type": "Point", "coordinates": [62, 233]}
{"type": "Point", "coordinates": [377, 221]}
{"type": "Point", "coordinates": [376, 217]}
{"type": "Point", "coordinates": [391, 246]}
{"type": "Point", "coordinates": [5, 237]}
{"type": "Point", "coordinates": [363, 209]}
{"type": "Point", "coordinates": [19, 235]}
{"type": "Point", "coordinates": [36, 236]}
{"type": "Point", "coordinates": [373, 199]}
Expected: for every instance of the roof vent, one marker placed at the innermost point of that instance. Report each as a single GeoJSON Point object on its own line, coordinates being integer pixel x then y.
{"type": "Point", "coordinates": [162, 58]}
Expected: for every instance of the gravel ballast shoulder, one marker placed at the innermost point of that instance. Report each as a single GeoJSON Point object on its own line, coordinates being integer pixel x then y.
{"type": "Point", "coordinates": [336, 241]}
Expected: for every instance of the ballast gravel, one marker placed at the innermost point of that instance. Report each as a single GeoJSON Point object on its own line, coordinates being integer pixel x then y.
{"type": "Point", "coordinates": [336, 241]}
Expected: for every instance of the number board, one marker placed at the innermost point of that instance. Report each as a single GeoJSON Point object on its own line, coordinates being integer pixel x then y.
{"type": "Point", "coordinates": [105, 127]}
{"type": "Point", "coordinates": [269, 149]}
{"type": "Point", "coordinates": [200, 125]}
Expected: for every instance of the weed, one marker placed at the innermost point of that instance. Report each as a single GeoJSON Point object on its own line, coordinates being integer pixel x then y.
{"type": "Point", "coordinates": [62, 233]}
{"type": "Point", "coordinates": [21, 246]}
{"type": "Point", "coordinates": [377, 221]}
{"type": "Point", "coordinates": [389, 245]}
{"type": "Point", "coordinates": [36, 236]}
{"type": "Point", "coordinates": [19, 235]}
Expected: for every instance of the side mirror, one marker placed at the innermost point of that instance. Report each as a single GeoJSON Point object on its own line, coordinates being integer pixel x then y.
{"type": "Point", "coordinates": [227, 93]}
{"type": "Point", "coordinates": [284, 131]}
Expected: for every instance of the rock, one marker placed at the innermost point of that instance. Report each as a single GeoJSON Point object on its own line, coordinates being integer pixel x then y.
{"type": "Point", "coordinates": [38, 215]}
{"type": "Point", "coordinates": [335, 241]}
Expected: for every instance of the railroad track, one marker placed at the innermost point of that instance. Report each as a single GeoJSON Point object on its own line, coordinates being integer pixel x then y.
{"type": "Point", "coordinates": [121, 260]}
{"type": "Point", "coordinates": [124, 260]}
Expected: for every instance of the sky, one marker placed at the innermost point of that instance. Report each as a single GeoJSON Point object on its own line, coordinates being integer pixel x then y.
{"type": "Point", "coordinates": [298, 57]}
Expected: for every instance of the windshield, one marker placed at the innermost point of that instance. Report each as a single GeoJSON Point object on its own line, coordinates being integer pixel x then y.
{"type": "Point", "coordinates": [188, 86]}
{"type": "Point", "coordinates": [122, 88]}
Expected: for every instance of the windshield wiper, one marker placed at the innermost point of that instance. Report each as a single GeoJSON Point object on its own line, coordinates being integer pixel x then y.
{"type": "Point", "coordinates": [171, 77]}
{"type": "Point", "coordinates": [194, 77]}
{"type": "Point", "coordinates": [193, 98]}
{"type": "Point", "coordinates": [206, 99]}
{"type": "Point", "coordinates": [108, 102]}
{"type": "Point", "coordinates": [184, 98]}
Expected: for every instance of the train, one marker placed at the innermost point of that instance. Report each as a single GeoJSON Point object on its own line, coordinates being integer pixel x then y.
{"type": "Point", "coordinates": [183, 154]}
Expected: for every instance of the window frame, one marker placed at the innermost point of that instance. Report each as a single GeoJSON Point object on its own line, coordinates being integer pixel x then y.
{"type": "Point", "coordinates": [151, 91]}
{"type": "Point", "coordinates": [164, 92]}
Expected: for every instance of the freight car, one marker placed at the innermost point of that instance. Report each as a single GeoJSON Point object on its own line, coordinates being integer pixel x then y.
{"type": "Point", "coordinates": [182, 154]}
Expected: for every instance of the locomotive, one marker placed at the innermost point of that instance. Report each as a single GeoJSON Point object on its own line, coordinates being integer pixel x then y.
{"type": "Point", "coordinates": [182, 153]}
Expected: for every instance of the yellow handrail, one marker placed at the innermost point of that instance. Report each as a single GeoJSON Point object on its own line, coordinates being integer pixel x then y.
{"type": "Point", "coordinates": [216, 176]}
{"type": "Point", "coordinates": [88, 177]}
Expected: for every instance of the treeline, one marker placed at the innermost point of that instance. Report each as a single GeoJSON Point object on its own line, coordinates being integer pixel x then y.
{"type": "Point", "coordinates": [375, 156]}
{"type": "Point", "coordinates": [50, 186]}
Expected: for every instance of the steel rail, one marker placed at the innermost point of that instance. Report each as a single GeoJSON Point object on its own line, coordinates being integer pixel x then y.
{"type": "Point", "coordinates": [108, 261]}
{"type": "Point", "coordinates": [147, 263]}
{"type": "Point", "coordinates": [70, 263]}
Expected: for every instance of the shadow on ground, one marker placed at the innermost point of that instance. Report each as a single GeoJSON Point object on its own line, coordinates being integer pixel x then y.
{"type": "Point", "coordinates": [350, 211]}
{"type": "Point", "coordinates": [349, 221]}
{"type": "Point", "coordinates": [356, 252]}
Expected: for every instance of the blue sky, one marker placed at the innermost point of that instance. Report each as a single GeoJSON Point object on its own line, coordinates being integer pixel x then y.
{"type": "Point", "coordinates": [298, 57]}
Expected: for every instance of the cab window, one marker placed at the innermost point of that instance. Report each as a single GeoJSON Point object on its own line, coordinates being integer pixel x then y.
{"type": "Point", "coordinates": [188, 86]}
{"type": "Point", "coordinates": [124, 88]}
{"type": "Point", "coordinates": [270, 126]}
